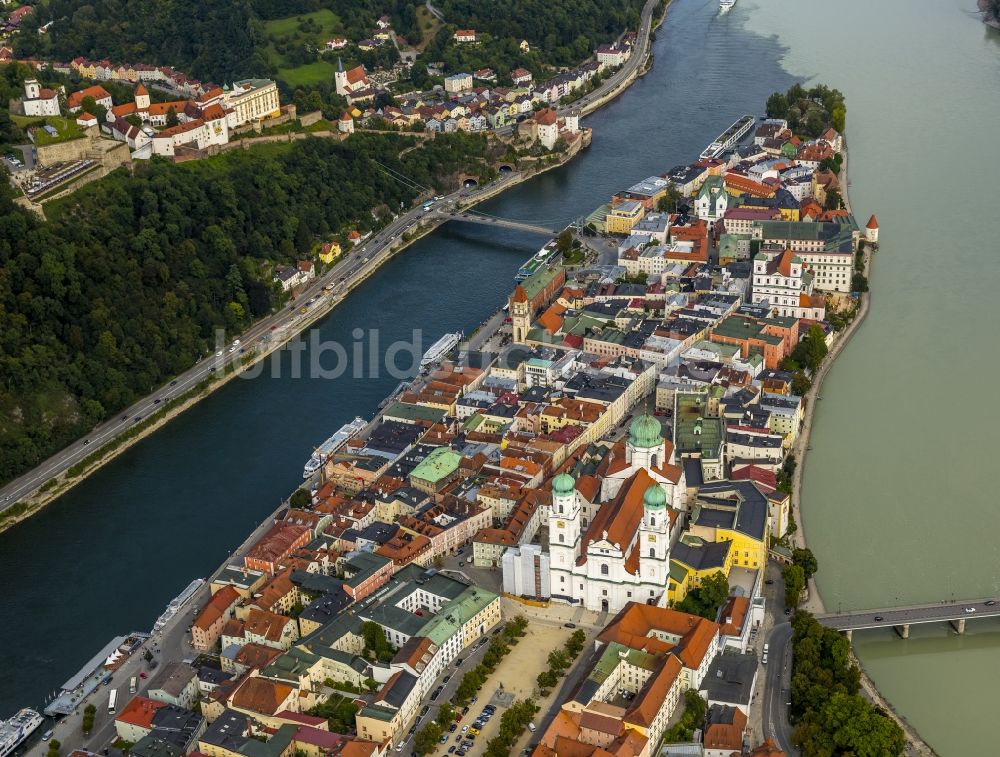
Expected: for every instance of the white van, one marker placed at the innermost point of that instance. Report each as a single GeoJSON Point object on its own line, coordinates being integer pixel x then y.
{"type": "Point", "coordinates": [132, 685]}
{"type": "Point", "coordinates": [531, 727]}
{"type": "Point", "coordinates": [765, 650]}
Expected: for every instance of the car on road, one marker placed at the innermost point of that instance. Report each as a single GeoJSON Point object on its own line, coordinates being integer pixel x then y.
{"type": "Point", "coordinates": [451, 749]}
{"type": "Point", "coordinates": [400, 747]}
{"type": "Point", "coordinates": [157, 401]}
{"type": "Point", "coordinates": [769, 581]}
{"type": "Point", "coordinates": [990, 602]}
{"type": "Point", "coordinates": [137, 419]}
{"type": "Point", "coordinates": [474, 731]}
{"type": "Point", "coordinates": [443, 739]}
{"type": "Point", "coordinates": [970, 609]}
{"type": "Point", "coordinates": [219, 353]}
{"type": "Point", "coordinates": [453, 727]}
{"type": "Point", "coordinates": [173, 383]}
{"type": "Point", "coordinates": [465, 728]}
{"type": "Point", "coordinates": [569, 625]}
{"type": "Point", "coordinates": [86, 441]}
{"type": "Point", "coordinates": [274, 327]}
{"type": "Point", "coordinates": [788, 611]}
{"type": "Point", "coordinates": [879, 618]}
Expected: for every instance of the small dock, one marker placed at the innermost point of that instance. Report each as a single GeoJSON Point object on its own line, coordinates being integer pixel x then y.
{"type": "Point", "coordinates": [729, 137]}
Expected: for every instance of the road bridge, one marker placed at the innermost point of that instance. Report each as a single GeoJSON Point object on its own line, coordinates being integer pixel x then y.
{"type": "Point", "coordinates": [548, 230]}
{"type": "Point", "coordinates": [955, 612]}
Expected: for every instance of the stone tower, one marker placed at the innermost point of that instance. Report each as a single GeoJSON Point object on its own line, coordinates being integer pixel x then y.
{"type": "Point", "coordinates": [520, 314]}
{"type": "Point", "coordinates": [871, 230]}
{"type": "Point", "coordinates": [141, 98]}
{"type": "Point", "coordinates": [340, 78]}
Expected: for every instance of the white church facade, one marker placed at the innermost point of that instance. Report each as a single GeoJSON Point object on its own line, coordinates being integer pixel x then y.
{"type": "Point", "coordinates": [608, 553]}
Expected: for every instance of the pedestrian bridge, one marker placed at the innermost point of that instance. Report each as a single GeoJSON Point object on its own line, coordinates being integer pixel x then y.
{"type": "Point", "coordinates": [548, 230]}
{"type": "Point", "coordinates": [955, 612]}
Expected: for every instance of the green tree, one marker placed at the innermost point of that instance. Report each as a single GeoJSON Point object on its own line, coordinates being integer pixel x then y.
{"type": "Point", "coordinates": [565, 241]}
{"type": "Point", "coordinates": [811, 349]}
{"type": "Point", "coordinates": [426, 740]}
{"type": "Point", "coordinates": [547, 680]}
{"type": "Point", "coordinates": [795, 581]}
{"type": "Point", "coordinates": [833, 200]}
{"type": "Point", "coordinates": [446, 714]}
{"type": "Point", "coordinates": [804, 558]}
{"type": "Point", "coordinates": [301, 498]}
{"type": "Point", "coordinates": [377, 647]}
{"type": "Point", "coordinates": [706, 599]}
{"type": "Point", "coordinates": [90, 105]}
{"type": "Point", "coordinates": [691, 719]}
{"type": "Point", "coordinates": [172, 119]}
{"type": "Point", "coordinates": [777, 105]}
{"type": "Point", "coordinates": [54, 746]}
{"type": "Point", "coordinates": [671, 198]}
{"type": "Point", "coordinates": [801, 383]}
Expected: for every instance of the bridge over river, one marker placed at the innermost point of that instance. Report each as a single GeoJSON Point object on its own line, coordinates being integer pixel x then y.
{"type": "Point", "coordinates": [955, 612]}
{"type": "Point", "coordinates": [547, 229]}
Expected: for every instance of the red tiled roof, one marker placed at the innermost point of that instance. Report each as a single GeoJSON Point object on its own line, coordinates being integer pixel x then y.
{"type": "Point", "coordinates": [139, 712]}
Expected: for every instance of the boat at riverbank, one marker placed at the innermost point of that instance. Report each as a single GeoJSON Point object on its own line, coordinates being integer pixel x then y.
{"type": "Point", "coordinates": [543, 257]}
{"type": "Point", "coordinates": [177, 603]}
{"type": "Point", "coordinates": [440, 348]}
{"type": "Point", "coordinates": [736, 131]}
{"type": "Point", "coordinates": [726, 5]}
{"type": "Point", "coordinates": [331, 445]}
{"type": "Point", "coordinates": [16, 731]}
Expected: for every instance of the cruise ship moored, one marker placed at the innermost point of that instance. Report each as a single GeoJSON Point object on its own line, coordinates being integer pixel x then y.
{"type": "Point", "coordinates": [15, 731]}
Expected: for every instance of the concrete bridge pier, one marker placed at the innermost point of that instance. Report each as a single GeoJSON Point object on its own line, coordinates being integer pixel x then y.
{"type": "Point", "coordinates": [849, 633]}
{"type": "Point", "coordinates": [903, 630]}
{"type": "Point", "coordinates": [959, 625]}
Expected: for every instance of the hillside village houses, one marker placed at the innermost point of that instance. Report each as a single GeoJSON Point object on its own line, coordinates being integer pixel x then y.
{"type": "Point", "coordinates": [39, 101]}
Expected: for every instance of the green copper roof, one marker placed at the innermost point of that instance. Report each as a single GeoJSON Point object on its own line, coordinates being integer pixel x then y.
{"type": "Point", "coordinates": [563, 485]}
{"type": "Point", "coordinates": [654, 498]}
{"type": "Point", "coordinates": [645, 432]}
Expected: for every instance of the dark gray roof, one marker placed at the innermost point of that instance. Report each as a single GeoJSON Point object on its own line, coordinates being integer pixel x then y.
{"type": "Point", "coordinates": [709, 555]}
{"type": "Point", "coordinates": [228, 730]}
{"type": "Point", "coordinates": [730, 678]}
{"type": "Point", "coordinates": [740, 497]}
{"type": "Point", "coordinates": [401, 688]}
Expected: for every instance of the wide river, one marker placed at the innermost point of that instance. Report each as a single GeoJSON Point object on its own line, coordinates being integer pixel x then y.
{"type": "Point", "coordinates": [896, 503]}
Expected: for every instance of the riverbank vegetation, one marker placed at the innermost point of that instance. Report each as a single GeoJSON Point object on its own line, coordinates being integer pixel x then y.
{"type": "Point", "coordinates": [128, 281]}
{"type": "Point", "coordinates": [830, 715]}
{"type": "Point", "coordinates": [809, 112]}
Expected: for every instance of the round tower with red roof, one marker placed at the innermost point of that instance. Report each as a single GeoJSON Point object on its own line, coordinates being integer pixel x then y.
{"type": "Point", "coordinates": [871, 230]}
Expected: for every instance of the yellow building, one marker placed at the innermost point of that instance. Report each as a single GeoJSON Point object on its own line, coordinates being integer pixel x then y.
{"type": "Point", "coordinates": [736, 512]}
{"type": "Point", "coordinates": [692, 560]}
{"type": "Point", "coordinates": [623, 217]}
{"type": "Point", "coordinates": [329, 252]}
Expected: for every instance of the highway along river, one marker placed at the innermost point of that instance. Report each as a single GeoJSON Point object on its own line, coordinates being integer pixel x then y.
{"type": "Point", "coordinates": [896, 487]}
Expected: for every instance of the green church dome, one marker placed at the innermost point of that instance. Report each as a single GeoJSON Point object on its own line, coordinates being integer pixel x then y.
{"type": "Point", "coordinates": [645, 432]}
{"type": "Point", "coordinates": [563, 485]}
{"type": "Point", "coordinates": [654, 498]}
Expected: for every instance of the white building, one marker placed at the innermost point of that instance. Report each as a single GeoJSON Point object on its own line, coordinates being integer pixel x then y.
{"type": "Point", "coordinates": [622, 553]}
{"type": "Point", "coordinates": [781, 281]}
{"type": "Point", "coordinates": [526, 572]}
{"type": "Point", "coordinates": [457, 83]}
{"type": "Point", "coordinates": [39, 101]}
{"type": "Point", "coordinates": [252, 100]}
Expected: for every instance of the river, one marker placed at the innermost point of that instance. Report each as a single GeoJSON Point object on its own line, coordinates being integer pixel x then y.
{"type": "Point", "coordinates": [907, 470]}
{"type": "Point", "coordinates": [898, 489]}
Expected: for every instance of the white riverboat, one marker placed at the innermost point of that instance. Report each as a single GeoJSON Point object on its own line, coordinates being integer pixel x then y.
{"type": "Point", "coordinates": [440, 348]}
{"type": "Point", "coordinates": [15, 731]}
{"type": "Point", "coordinates": [322, 452]}
{"type": "Point", "coordinates": [726, 5]}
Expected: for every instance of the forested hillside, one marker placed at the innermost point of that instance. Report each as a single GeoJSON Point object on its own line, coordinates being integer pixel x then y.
{"type": "Point", "coordinates": [213, 40]}
{"type": "Point", "coordinates": [127, 284]}
{"type": "Point", "coordinates": [564, 31]}
{"type": "Point", "coordinates": [222, 40]}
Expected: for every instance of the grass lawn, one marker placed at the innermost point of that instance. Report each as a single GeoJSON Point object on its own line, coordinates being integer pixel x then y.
{"type": "Point", "coordinates": [326, 19]}
{"type": "Point", "coordinates": [68, 128]}
{"type": "Point", "coordinates": [311, 73]}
